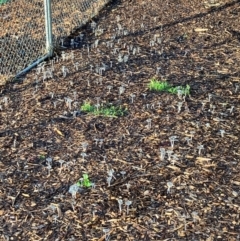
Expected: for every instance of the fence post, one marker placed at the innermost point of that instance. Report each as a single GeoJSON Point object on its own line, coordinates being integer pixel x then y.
{"type": "Point", "coordinates": [48, 26]}
{"type": "Point", "coordinates": [49, 42]}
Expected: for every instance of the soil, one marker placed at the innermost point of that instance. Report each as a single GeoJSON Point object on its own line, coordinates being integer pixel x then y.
{"type": "Point", "coordinates": [191, 193]}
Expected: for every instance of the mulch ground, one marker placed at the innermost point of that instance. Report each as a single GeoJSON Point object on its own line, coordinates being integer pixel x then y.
{"type": "Point", "coordinates": [192, 193]}
{"type": "Point", "coordinates": [23, 37]}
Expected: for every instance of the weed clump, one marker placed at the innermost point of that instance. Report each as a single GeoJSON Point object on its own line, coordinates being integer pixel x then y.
{"type": "Point", "coordinates": [108, 111]}
{"type": "Point", "coordinates": [156, 85]}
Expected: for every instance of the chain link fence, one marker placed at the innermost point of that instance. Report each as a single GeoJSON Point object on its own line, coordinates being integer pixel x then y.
{"type": "Point", "coordinates": [25, 26]}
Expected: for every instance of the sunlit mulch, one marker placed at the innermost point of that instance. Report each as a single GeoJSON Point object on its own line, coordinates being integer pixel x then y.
{"type": "Point", "coordinates": [191, 193]}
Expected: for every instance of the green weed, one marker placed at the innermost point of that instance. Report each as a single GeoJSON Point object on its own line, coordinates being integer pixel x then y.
{"type": "Point", "coordinates": [108, 111]}
{"type": "Point", "coordinates": [87, 107]}
{"type": "Point", "coordinates": [84, 181]}
{"type": "Point", "coordinates": [159, 86]}
{"type": "Point", "coordinates": [42, 157]}
{"type": "Point", "coordinates": [156, 85]}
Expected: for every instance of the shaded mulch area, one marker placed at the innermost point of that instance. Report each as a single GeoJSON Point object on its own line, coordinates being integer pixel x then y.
{"type": "Point", "coordinates": [192, 193]}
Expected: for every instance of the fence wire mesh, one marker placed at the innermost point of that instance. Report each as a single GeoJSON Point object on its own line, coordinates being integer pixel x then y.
{"type": "Point", "coordinates": [68, 15]}
{"type": "Point", "coordinates": [23, 34]}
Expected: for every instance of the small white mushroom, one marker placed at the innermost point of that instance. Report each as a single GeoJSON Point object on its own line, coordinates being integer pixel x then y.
{"type": "Point", "coordinates": [169, 186]}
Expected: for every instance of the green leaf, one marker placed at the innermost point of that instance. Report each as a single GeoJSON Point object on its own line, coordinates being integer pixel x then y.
{"type": "Point", "coordinates": [86, 181]}
{"type": "Point", "coordinates": [85, 176]}
{"type": "Point", "coordinates": [42, 157]}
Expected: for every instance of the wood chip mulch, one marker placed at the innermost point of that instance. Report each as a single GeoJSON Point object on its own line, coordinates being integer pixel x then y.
{"type": "Point", "coordinates": [47, 143]}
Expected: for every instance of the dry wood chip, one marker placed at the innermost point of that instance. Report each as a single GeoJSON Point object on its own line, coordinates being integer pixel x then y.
{"type": "Point", "coordinates": [236, 182]}
{"type": "Point", "coordinates": [146, 193]}
{"type": "Point", "coordinates": [206, 170]}
{"type": "Point", "coordinates": [203, 159]}
{"type": "Point", "coordinates": [58, 131]}
{"type": "Point", "coordinates": [200, 29]}
{"type": "Point", "coordinates": [209, 5]}
{"type": "Point", "coordinates": [177, 169]}
{"type": "Point", "coordinates": [233, 137]}
{"type": "Point", "coordinates": [181, 232]}
{"type": "Point", "coordinates": [173, 230]}
{"type": "Point", "coordinates": [25, 195]}
{"type": "Point", "coordinates": [114, 220]}
{"type": "Point", "coordinates": [104, 236]}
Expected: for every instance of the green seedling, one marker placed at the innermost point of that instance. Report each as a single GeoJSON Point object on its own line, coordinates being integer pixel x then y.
{"type": "Point", "coordinates": [42, 157]}
{"type": "Point", "coordinates": [186, 90]}
{"type": "Point", "coordinates": [84, 181]}
{"type": "Point", "coordinates": [109, 111]}
{"type": "Point", "coordinates": [112, 111]}
{"type": "Point", "coordinates": [87, 107]}
{"type": "Point", "coordinates": [156, 85]}
{"type": "Point", "coordinates": [172, 90]}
